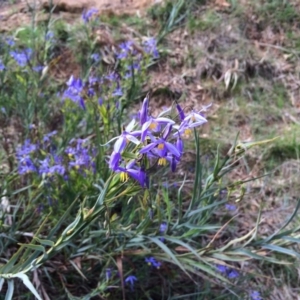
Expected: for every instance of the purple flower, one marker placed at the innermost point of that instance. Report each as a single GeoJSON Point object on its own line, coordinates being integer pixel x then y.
{"type": "Point", "coordinates": [117, 92]}
{"type": "Point", "coordinates": [125, 49]}
{"type": "Point", "coordinates": [108, 274]}
{"type": "Point", "coordinates": [10, 41]}
{"type": "Point", "coordinates": [161, 147]}
{"type": "Point", "coordinates": [151, 261]}
{"type": "Point", "coordinates": [194, 119]}
{"type": "Point", "coordinates": [233, 274]}
{"type": "Point", "coordinates": [49, 36]}
{"type": "Point", "coordinates": [87, 14]}
{"type": "Point", "coordinates": [73, 92]}
{"type": "Point", "coordinates": [131, 280]}
{"type": "Point", "coordinates": [126, 136]}
{"type": "Point", "coordinates": [21, 57]}
{"type": "Point", "coordinates": [48, 136]}
{"type": "Point", "coordinates": [2, 67]}
{"type": "Point", "coordinates": [229, 272]}
{"type": "Point", "coordinates": [230, 207]}
{"type": "Point", "coordinates": [154, 124]}
{"type": "Point", "coordinates": [100, 101]}
{"type": "Point", "coordinates": [180, 112]}
{"type": "Point", "coordinates": [26, 149]}
{"type": "Point", "coordinates": [255, 295]}
{"type": "Point", "coordinates": [133, 171]}
{"type": "Point", "coordinates": [26, 165]}
{"type": "Point", "coordinates": [163, 227]}
{"type": "Point", "coordinates": [95, 57]}
{"type": "Point", "coordinates": [38, 68]}
{"type": "Point", "coordinates": [114, 160]}
{"type": "Point", "coordinates": [150, 47]}
{"type": "Point", "coordinates": [144, 111]}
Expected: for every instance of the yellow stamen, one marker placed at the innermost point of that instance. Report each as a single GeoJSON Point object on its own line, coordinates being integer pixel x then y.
{"type": "Point", "coordinates": [162, 161]}
{"type": "Point", "coordinates": [153, 126]}
{"type": "Point", "coordinates": [187, 131]}
{"type": "Point", "coordinates": [161, 146]}
{"type": "Point", "coordinates": [124, 176]}
{"type": "Point", "coordinates": [193, 118]}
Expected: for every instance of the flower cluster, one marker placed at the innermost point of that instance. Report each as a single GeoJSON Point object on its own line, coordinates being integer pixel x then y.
{"type": "Point", "coordinates": [158, 140]}
{"type": "Point", "coordinates": [227, 271]}
{"type": "Point", "coordinates": [43, 159]}
{"type": "Point", "coordinates": [151, 261]}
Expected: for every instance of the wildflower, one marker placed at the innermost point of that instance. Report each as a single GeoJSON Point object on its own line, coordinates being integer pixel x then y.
{"type": "Point", "coordinates": [230, 207]}
{"type": "Point", "coordinates": [108, 274]}
{"type": "Point", "coordinates": [126, 136]}
{"type": "Point", "coordinates": [47, 136]}
{"type": "Point", "coordinates": [144, 111]}
{"type": "Point", "coordinates": [151, 261]}
{"type": "Point", "coordinates": [125, 49]}
{"type": "Point", "coordinates": [162, 148]}
{"type": "Point", "coordinates": [73, 92]}
{"type": "Point", "coordinates": [87, 14]}
{"type": "Point", "coordinates": [194, 119]}
{"type": "Point", "coordinates": [180, 112]}
{"type": "Point", "coordinates": [49, 36]}
{"type": "Point", "coordinates": [255, 295]}
{"type": "Point", "coordinates": [22, 57]}
{"type": "Point", "coordinates": [100, 101]}
{"type": "Point", "coordinates": [2, 67]}
{"type": "Point", "coordinates": [131, 280]}
{"type": "Point", "coordinates": [230, 273]}
{"type": "Point", "coordinates": [95, 57]}
{"type": "Point", "coordinates": [133, 171]}
{"type": "Point", "coordinates": [26, 149]}
{"type": "Point", "coordinates": [117, 92]}
{"type": "Point", "coordinates": [233, 274]}
{"type": "Point", "coordinates": [154, 124]}
{"type": "Point", "coordinates": [26, 165]}
{"type": "Point", "coordinates": [38, 68]}
{"type": "Point", "coordinates": [163, 227]}
{"type": "Point", "coordinates": [10, 41]}
{"type": "Point", "coordinates": [150, 47]}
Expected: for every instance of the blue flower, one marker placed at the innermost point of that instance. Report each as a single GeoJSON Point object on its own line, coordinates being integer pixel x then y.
{"type": "Point", "coordinates": [163, 227]}
{"type": "Point", "coordinates": [87, 14]}
{"type": "Point", "coordinates": [49, 36]}
{"type": "Point", "coordinates": [229, 272]}
{"type": "Point", "coordinates": [150, 47]}
{"type": "Point", "coordinates": [117, 92]}
{"type": "Point", "coordinates": [131, 280]}
{"type": "Point", "coordinates": [2, 67]}
{"type": "Point", "coordinates": [230, 207]}
{"type": "Point", "coordinates": [144, 111]}
{"type": "Point", "coordinates": [255, 295]}
{"type": "Point", "coordinates": [125, 48]}
{"type": "Point", "coordinates": [180, 112]}
{"type": "Point", "coordinates": [73, 92]}
{"type": "Point", "coordinates": [133, 171]}
{"type": "Point", "coordinates": [161, 147]}
{"type": "Point", "coordinates": [26, 165]}
{"type": "Point", "coordinates": [108, 274]}
{"type": "Point", "coordinates": [127, 135]}
{"type": "Point", "coordinates": [95, 57]}
{"type": "Point", "coordinates": [154, 124]}
{"type": "Point", "coordinates": [22, 57]}
{"type": "Point", "coordinates": [151, 261]}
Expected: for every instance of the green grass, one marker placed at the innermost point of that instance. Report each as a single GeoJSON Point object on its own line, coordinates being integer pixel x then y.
{"type": "Point", "coordinates": [90, 222]}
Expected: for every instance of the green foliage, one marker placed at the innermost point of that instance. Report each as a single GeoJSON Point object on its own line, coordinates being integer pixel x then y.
{"type": "Point", "coordinates": [81, 232]}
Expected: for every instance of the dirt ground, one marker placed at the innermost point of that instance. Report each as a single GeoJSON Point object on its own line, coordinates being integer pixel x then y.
{"type": "Point", "coordinates": [18, 13]}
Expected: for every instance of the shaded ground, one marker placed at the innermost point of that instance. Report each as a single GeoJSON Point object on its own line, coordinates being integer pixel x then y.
{"type": "Point", "coordinates": [19, 12]}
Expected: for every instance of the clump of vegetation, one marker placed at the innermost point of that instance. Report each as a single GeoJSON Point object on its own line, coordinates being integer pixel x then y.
{"type": "Point", "coordinates": [103, 197]}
